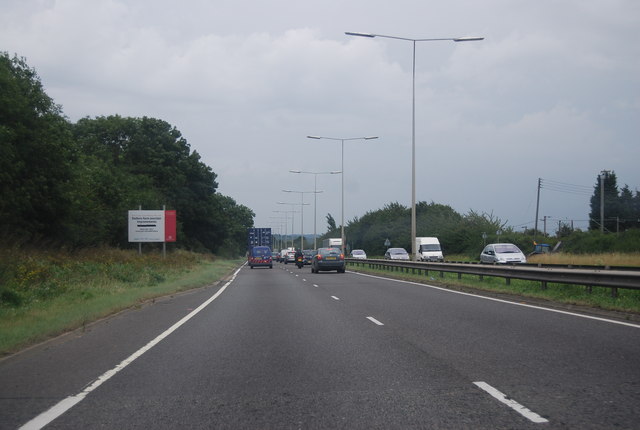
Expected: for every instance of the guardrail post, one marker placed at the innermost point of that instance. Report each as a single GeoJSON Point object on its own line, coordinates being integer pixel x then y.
{"type": "Point", "coordinates": [459, 275]}
{"type": "Point", "coordinates": [543, 285]}
{"type": "Point", "coordinates": [442, 274]}
{"type": "Point", "coordinates": [508, 281]}
{"type": "Point", "coordinates": [614, 292]}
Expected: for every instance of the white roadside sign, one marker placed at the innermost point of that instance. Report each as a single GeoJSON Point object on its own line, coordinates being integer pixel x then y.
{"type": "Point", "coordinates": [146, 226]}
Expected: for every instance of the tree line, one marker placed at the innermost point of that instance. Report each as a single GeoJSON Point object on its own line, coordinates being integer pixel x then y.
{"type": "Point", "coordinates": [619, 207]}
{"type": "Point", "coordinates": [71, 184]}
{"type": "Point", "coordinates": [467, 234]}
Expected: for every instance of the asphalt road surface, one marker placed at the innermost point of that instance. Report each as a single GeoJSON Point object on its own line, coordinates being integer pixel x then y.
{"type": "Point", "coordinates": [283, 348]}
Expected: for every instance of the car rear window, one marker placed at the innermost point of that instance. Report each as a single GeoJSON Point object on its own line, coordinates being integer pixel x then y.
{"type": "Point", "coordinates": [260, 251]}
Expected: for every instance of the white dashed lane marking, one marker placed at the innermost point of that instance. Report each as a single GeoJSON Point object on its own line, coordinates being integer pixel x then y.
{"type": "Point", "coordinates": [375, 321]}
{"type": "Point", "coordinates": [525, 412]}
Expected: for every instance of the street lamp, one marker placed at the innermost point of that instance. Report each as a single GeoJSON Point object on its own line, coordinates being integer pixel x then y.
{"type": "Point", "coordinates": [315, 199]}
{"type": "Point", "coordinates": [302, 193]}
{"type": "Point", "coordinates": [342, 238]}
{"type": "Point", "coordinates": [277, 224]}
{"type": "Point", "coordinates": [302, 205]}
{"type": "Point", "coordinates": [413, 119]}
{"type": "Point", "coordinates": [286, 225]}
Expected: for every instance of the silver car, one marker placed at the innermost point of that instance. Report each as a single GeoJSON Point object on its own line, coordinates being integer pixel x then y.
{"type": "Point", "coordinates": [502, 253]}
{"type": "Point", "coordinates": [359, 253]}
{"type": "Point", "coordinates": [396, 254]}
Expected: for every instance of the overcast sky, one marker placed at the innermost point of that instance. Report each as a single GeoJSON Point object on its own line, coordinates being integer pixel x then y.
{"type": "Point", "coordinates": [553, 92]}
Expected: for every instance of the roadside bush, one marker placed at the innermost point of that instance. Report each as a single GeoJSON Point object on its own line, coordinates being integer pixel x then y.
{"type": "Point", "coordinates": [580, 242]}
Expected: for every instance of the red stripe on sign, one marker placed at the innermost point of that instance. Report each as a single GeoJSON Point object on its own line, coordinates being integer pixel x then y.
{"type": "Point", "coordinates": [169, 226]}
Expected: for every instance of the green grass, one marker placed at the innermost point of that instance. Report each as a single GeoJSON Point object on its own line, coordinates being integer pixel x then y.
{"type": "Point", "coordinates": [599, 297]}
{"type": "Point", "coordinates": [45, 294]}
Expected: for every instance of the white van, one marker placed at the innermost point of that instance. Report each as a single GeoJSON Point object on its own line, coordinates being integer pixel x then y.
{"type": "Point", "coordinates": [332, 243]}
{"type": "Point", "coordinates": [428, 249]}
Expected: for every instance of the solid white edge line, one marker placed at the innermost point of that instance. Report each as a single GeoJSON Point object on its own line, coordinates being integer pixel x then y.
{"type": "Point", "coordinates": [375, 321]}
{"type": "Point", "coordinates": [504, 301]}
{"type": "Point", "coordinates": [63, 406]}
{"type": "Point", "coordinates": [525, 412]}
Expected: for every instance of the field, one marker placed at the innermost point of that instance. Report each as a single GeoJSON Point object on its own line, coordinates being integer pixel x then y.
{"type": "Point", "coordinates": [612, 259]}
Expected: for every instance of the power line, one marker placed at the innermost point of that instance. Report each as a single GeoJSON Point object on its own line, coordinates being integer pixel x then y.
{"type": "Point", "coordinates": [563, 187]}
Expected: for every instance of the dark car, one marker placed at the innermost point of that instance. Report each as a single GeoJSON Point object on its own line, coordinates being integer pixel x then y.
{"type": "Point", "coordinates": [308, 255]}
{"type": "Point", "coordinates": [328, 259]}
{"type": "Point", "coordinates": [260, 256]}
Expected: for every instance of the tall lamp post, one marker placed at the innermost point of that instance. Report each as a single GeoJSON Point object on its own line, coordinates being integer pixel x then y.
{"type": "Point", "coordinates": [286, 222]}
{"type": "Point", "coordinates": [342, 140]}
{"type": "Point", "coordinates": [413, 119]}
{"type": "Point", "coordinates": [277, 225]}
{"type": "Point", "coordinates": [315, 198]}
{"type": "Point", "coordinates": [302, 205]}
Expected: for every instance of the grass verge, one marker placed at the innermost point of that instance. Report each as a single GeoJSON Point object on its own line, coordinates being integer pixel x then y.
{"type": "Point", "coordinates": [44, 294]}
{"type": "Point", "coordinates": [599, 298]}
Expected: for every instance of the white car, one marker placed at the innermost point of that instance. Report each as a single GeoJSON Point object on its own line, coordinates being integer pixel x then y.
{"type": "Point", "coordinates": [359, 254]}
{"type": "Point", "coordinates": [290, 257]}
{"type": "Point", "coordinates": [502, 253]}
{"type": "Point", "coordinates": [396, 254]}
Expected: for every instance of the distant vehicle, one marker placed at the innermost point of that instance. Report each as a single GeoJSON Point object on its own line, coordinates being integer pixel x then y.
{"type": "Point", "coordinates": [540, 248]}
{"type": "Point", "coordinates": [332, 243]}
{"type": "Point", "coordinates": [359, 253]}
{"type": "Point", "coordinates": [299, 259]}
{"type": "Point", "coordinates": [328, 259]}
{"type": "Point", "coordinates": [308, 255]}
{"type": "Point", "coordinates": [275, 256]}
{"type": "Point", "coordinates": [284, 254]}
{"type": "Point", "coordinates": [428, 249]}
{"type": "Point", "coordinates": [259, 237]}
{"type": "Point", "coordinates": [260, 256]}
{"type": "Point", "coordinates": [290, 256]}
{"type": "Point", "coordinates": [502, 253]}
{"type": "Point", "coordinates": [396, 254]}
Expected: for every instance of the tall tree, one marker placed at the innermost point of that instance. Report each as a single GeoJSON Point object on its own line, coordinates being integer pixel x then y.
{"type": "Point", "coordinates": [607, 186]}
{"type": "Point", "coordinates": [36, 155]}
{"type": "Point", "coordinates": [152, 165]}
{"type": "Point", "coordinates": [331, 223]}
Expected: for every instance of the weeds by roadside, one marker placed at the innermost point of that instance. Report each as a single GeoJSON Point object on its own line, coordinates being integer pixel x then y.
{"type": "Point", "coordinates": [45, 293]}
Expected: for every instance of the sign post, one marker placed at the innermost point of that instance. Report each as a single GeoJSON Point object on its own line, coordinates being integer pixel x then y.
{"type": "Point", "coordinates": [152, 226]}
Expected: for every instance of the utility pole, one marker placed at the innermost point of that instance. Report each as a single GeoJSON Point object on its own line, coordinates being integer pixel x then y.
{"type": "Point", "coordinates": [535, 228]}
{"type": "Point", "coordinates": [603, 174]}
